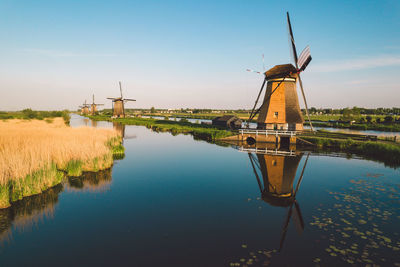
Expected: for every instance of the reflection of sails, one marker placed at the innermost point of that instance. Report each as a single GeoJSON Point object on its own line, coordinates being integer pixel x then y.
{"type": "Point", "coordinates": [24, 213]}
{"type": "Point", "coordinates": [90, 181]}
{"type": "Point", "coordinates": [120, 128]}
{"type": "Point", "coordinates": [278, 173]}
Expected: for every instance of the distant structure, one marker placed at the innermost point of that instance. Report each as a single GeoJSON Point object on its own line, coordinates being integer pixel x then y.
{"type": "Point", "coordinates": [228, 121]}
{"type": "Point", "coordinates": [84, 108]}
{"type": "Point", "coordinates": [280, 108]}
{"type": "Point", "coordinates": [93, 107]}
{"type": "Point", "coordinates": [118, 107]}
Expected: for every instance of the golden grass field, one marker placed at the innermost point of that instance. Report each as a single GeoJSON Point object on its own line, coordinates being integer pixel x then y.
{"type": "Point", "coordinates": [28, 146]}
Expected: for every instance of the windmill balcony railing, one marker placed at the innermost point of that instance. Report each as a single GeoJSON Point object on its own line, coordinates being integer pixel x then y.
{"type": "Point", "coordinates": [268, 132]}
{"type": "Point", "coordinates": [266, 151]}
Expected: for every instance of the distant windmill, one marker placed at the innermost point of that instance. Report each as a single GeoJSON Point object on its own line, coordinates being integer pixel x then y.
{"type": "Point", "coordinates": [84, 108]}
{"type": "Point", "coordinates": [118, 104]}
{"type": "Point", "coordinates": [280, 109]}
{"type": "Point", "coordinates": [94, 105]}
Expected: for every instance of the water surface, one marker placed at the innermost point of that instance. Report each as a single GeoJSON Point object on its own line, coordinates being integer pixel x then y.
{"type": "Point", "coordinates": [175, 201]}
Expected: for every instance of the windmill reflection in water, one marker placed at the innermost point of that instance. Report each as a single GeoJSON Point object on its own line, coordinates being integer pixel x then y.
{"type": "Point", "coordinates": [275, 172]}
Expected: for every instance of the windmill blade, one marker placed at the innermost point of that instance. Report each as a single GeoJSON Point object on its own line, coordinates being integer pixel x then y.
{"type": "Point", "coordinates": [120, 88]}
{"type": "Point", "coordinates": [304, 58]}
{"type": "Point", "coordinates": [291, 40]}
{"type": "Point", "coordinates": [112, 98]}
{"type": "Point", "coordinates": [255, 172]}
{"type": "Point", "coordinates": [305, 102]}
{"type": "Point", "coordinates": [298, 218]}
{"type": "Point", "coordinates": [129, 99]}
{"type": "Point", "coordinates": [250, 70]}
{"type": "Point", "coordinates": [285, 227]}
{"type": "Point", "coordinates": [255, 104]}
{"type": "Point", "coordinates": [301, 176]}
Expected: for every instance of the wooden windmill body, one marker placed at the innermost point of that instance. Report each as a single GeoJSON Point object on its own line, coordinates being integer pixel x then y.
{"type": "Point", "coordinates": [280, 109]}
{"type": "Point", "coordinates": [118, 106]}
{"type": "Point", "coordinates": [278, 174]}
{"type": "Point", "coordinates": [85, 108]}
{"type": "Point", "coordinates": [93, 107]}
{"type": "Point", "coordinates": [277, 185]}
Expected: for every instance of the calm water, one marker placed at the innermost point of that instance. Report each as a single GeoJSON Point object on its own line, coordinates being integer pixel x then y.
{"type": "Point", "coordinates": [174, 201]}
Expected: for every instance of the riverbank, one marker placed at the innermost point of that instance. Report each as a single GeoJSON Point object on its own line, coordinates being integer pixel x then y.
{"type": "Point", "coordinates": [35, 155]}
{"type": "Point", "coordinates": [29, 114]}
{"type": "Point", "coordinates": [363, 127]}
{"type": "Point", "coordinates": [199, 131]}
{"type": "Point", "coordinates": [317, 121]}
{"type": "Point", "coordinates": [381, 150]}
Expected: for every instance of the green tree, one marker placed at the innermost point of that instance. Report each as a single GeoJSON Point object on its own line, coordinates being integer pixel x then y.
{"type": "Point", "coordinates": [369, 119]}
{"type": "Point", "coordinates": [153, 110]}
{"type": "Point", "coordinates": [347, 115]}
{"type": "Point", "coordinates": [388, 119]}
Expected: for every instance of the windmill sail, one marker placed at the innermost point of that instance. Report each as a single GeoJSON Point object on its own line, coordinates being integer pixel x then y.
{"type": "Point", "coordinates": [304, 59]}
{"type": "Point", "coordinates": [291, 40]}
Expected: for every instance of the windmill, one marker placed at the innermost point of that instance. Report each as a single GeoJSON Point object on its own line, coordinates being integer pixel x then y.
{"type": "Point", "coordinates": [118, 104]}
{"type": "Point", "coordinates": [84, 108]}
{"type": "Point", "coordinates": [280, 109]}
{"type": "Point", "coordinates": [278, 174]}
{"type": "Point", "coordinates": [93, 109]}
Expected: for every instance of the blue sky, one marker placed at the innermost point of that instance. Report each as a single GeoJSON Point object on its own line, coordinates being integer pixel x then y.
{"type": "Point", "coordinates": [170, 54]}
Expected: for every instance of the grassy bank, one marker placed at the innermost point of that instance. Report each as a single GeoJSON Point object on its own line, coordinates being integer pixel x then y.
{"type": "Point", "coordinates": [29, 114]}
{"type": "Point", "coordinates": [199, 131]}
{"type": "Point", "coordinates": [35, 155]}
{"type": "Point", "coordinates": [365, 126]}
{"type": "Point", "coordinates": [387, 152]}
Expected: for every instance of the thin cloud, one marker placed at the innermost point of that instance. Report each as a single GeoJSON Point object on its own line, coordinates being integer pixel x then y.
{"type": "Point", "coordinates": [57, 53]}
{"type": "Point", "coordinates": [358, 64]}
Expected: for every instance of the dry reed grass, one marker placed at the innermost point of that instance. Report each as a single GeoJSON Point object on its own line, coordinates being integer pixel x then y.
{"type": "Point", "coordinates": [29, 146]}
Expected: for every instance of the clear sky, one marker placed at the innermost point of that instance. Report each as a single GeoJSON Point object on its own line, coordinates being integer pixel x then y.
{"type": "Point", "coordinates": [170, 54]}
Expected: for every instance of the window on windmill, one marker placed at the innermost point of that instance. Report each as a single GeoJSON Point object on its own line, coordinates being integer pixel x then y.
{"type": "Point", "coordinates": [273, 162]}
{"type": "Point", "coordinates": [275, 114]}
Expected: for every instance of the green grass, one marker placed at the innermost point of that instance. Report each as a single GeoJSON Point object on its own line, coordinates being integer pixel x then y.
{"type": "Point", "coordinates": [199, 131]}
{"type": "Point", "coordinates": [50, 176]}
{"type": "Point", "coordinates": [29, 114]}
{"type": "Point", "coordinates": [365, 126]}
{"type": "Point", "coordinates": [74, 168]}
{"type": "Point", "coordinates": [118, 152]}
{"type": "Point", "coordinates": [34, 183]}
{"type": "Point", "coordinates": [387, 152]}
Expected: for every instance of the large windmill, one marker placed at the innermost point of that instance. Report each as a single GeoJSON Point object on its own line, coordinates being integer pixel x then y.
{"type": "Point", "coordinates": [84, 108]}
{"type": "Point", "coordinates": [280, 109]}
{"type": "Point", "coordinates": [276, 185]}
{"type": "Point", "coordinates": [118, 104]}
{"type": "Point", "coordinates": [93, 107]}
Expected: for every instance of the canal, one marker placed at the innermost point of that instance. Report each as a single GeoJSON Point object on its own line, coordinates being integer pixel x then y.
{"type": "Point", "coordinates": [176, 201]}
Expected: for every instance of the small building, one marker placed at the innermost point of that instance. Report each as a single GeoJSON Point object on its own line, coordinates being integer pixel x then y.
{"type": "Point", "coordinates": [228, 121]}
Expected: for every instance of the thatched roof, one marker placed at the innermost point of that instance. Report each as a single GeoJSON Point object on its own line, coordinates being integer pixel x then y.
{"type": "Point", "coordinates": [280, 71]}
